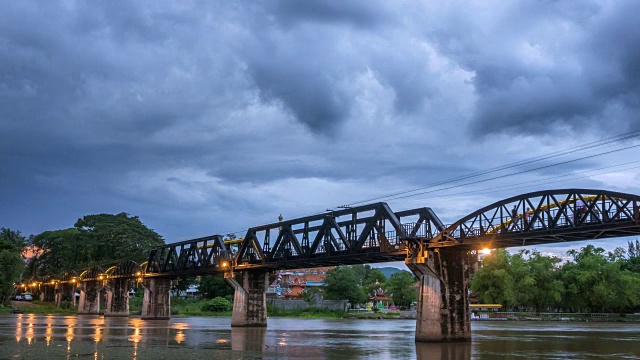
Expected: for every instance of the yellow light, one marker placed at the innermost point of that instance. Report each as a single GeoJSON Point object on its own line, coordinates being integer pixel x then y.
{"type": "Point", "coordinates": [224, 264]}
{"type": "Point", "coordinates": [100, 277]}
{"type": "Point", "coordinates": [24, 285]}
{"type": "Point", "coordinates": [139, 279]}
{"type": "Point", "coordinates": [486, 251]}
{"type": "Point", "coordinates": [52, 282]}
{"type": "Point", "coordinates": [34, 284]}
{"type": "Point", "coordinates": [73, 280]}
{"type": "Point", "coordinates": [138, 273]}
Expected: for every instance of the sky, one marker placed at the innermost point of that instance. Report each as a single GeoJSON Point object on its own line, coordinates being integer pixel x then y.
{"type": "Point", "coordinates": [211, 117]}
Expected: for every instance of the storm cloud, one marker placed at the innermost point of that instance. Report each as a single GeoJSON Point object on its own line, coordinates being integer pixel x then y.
{"type": "Point", "coordinates": [208, 117]}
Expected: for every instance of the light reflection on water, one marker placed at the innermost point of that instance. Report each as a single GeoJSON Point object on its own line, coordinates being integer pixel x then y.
{"type": "Point", "coordinates": [32, 336]}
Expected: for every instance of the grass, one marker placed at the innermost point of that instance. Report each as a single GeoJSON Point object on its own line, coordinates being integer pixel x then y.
{"type": "Point", "coordinates": [39, 307]}
{"type": "Point", "coordinates": [193, 307]}
{"type": "Point", "coordinates": [308, 313]}
{"type": "Point", "coordinates": [179, 307]}
{"type": "Point", "coordinates": [379, 315]}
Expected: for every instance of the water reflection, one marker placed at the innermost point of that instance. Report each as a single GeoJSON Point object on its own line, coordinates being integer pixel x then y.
{"type": "Point", "coordinates": [443, 351]}
{"type": "Point", "coordinates": [248, 339]}
{"type": "Point", "coordinates": [70, 337]}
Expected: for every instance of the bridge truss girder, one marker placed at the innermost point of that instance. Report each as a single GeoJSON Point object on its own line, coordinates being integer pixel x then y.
{"type": "Point", "coordinates": [369, 233]}
{"type": "Point", "coordinates": [544, 217]}
{"type": "Point", "coordinates": [192, 257]}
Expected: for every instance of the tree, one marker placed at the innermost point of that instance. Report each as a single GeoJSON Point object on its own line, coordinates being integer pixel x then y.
{"type": "Point", "coordinates": [12, 244]}
{"type": "Point", "coordinates": [546, 289]}
{"type": "Point", "coordinates": [60, 250]}
{"type": "Point", "coordinates": [595, 283]}
{"type": "Point", "coordinates": [401, 287]}
{"type": "Point", "coordinates": [374, 280]}
{"type": "Point", "coordinates": [361, 272]}
{"type": "Point", "coordinates": [493, 282]}
{"type": "Point", "coordinates": [182, 284]}
{"type": "Point", "coordinates": [118, 237]}
{"type": "Point", "coordinates": [342, 283]}
{"type": "Point", "coordinates": [215, 285]}
{"type": "Point", "coordinates": [633, 261]}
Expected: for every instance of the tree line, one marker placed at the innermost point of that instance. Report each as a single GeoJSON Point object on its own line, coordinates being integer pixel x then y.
{"type": "Point", "coordinates": [357, 283]}
{"type": "Point", "coordinates": [592, 280]}
{"type": "Point", "coordinates": [100, 239]}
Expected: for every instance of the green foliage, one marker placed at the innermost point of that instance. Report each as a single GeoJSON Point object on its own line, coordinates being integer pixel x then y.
{"type": "Point", "coordinates": [493, 282]}
{"type": "Point", "coordinates": [401, 288]}
{"type": "Point", "coordinates": [215, 285]}
{"type": "Point", "coordinates": [595, 283]}
{"type": "Point", "coordinates": [12, 244]}
{"type": "Point", "coordinates": [116, 237]}
{"type": "Point", "coordinates": [310, 295]}
{"type": "Point", "coordinates": [310, 312]}
{"type": "Point", "coordinates": [374, 280]}
{"type": "Point", "coordinates": [343, 283]}
{"type": "Point", "coordinates": [592, 282]}
{"type": "Point", "coordinates": [217, 304]}
{"type": "Point", "coordinates": [95, 239]}
{"type": "Point", "coordinates": [11, 266]}
{"type": "Point", "coordinates": [61, 250]}
{"type": "Point", "coordinates": [183, 283]}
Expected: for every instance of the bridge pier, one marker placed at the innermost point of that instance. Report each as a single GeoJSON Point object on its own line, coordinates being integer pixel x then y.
{"type": "Point", "coordinates": [47, 293]}
{"type": "Point", "coordinates": [156, 304]}
{"type": "Point", "coordinates": [89, 297]}
{"type": "Point", "coordinates": [64, 292]}
{"type": "Point", "coordinates": [117, 297]}
{"type": "Point", "coordinates": [443, 304]}
{"type": "Point", "coordinates": [250, 298]}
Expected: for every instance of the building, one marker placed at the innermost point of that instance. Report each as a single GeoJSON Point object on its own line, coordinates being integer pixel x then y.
{"type": "Point", "coordinates": [290, 284]}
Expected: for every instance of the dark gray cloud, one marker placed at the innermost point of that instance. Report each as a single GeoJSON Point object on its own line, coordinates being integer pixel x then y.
{"type": "Point", "coordinates": [537, 67]}
{"type": "Point", "coordinates": [208, 117]}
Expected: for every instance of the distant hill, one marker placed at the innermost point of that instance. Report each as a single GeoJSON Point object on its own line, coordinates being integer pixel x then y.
{"type": "Point", "coordinates": [388, 271]}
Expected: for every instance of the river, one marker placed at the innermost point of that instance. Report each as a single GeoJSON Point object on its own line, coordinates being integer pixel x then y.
{"type": "Point", "coordinates": [26, 336]}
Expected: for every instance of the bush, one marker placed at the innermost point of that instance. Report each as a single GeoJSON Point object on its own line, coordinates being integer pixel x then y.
{"type": "Point", "coordinates": [217, 304]}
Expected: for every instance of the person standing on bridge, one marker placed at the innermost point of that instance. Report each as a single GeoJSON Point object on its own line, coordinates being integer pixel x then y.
{"type": "Point", "coordinates": [514, 215]}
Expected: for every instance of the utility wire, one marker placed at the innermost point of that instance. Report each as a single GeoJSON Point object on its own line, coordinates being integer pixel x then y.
{"type": "Point", "coordinates": [555, 154]}
{"type": "Point", "coordinates": [494, 189]}
{"type": "Point", "coordinates": [595, 144]}
{"type": "Point", "coordinates": [516, 173]}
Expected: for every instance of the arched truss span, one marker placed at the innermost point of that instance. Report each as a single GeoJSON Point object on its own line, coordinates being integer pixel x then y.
{"type": "Point", "coordinates": [545, 217]}
{"type": "Point", "coordinates": [69, 276]}
{"type": "Point", "coordinates": [191, 257]}
{"type": "Point", "coordinates": [125, 269]}
{"type": "Point", "coordinates": [49, 279]}
{"type": "Point", "coordinates": [93, 273]}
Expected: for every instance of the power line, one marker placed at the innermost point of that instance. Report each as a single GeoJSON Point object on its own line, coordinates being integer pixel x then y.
{"type": "Point", "coordinates": [516, 173]}
{"type": "Point", "coordinates": [595, 144]}
{"type": "Point", "coordinates": [555, 154]}
{"type": "Point", "coordinates": [494, 189]}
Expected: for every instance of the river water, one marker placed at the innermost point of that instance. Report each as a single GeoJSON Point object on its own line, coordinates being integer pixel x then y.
{"type": "Point", "coordinates": [26, 336]}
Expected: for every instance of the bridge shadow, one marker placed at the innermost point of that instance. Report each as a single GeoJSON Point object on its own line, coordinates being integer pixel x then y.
{"type": "Point", "coordinates": [443, 351]}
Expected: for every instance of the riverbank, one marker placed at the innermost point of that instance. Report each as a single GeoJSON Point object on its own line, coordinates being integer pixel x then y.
{"type": "Point", "coordinates": [197, 307]}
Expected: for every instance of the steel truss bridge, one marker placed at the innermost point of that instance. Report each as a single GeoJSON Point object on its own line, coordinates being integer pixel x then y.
{"type": "Point", "coordinates": [374, 233]}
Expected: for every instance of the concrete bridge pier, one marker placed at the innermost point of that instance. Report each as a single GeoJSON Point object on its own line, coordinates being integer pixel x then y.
{"type": "Point", "coordinates": [47, 293]}
{"type": "Point", "coordinates": [90, 297]}
{"type": "Point", "coordinates": [117, 297]}
{"type": "Point", "coordinates": [250, 298]}
{"type": "Point", "coordinates": [156, 304]}
{"type": "Point", "coordinates": [64, 292]}
{"type": "Point", "coordinates": [443, 303]}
